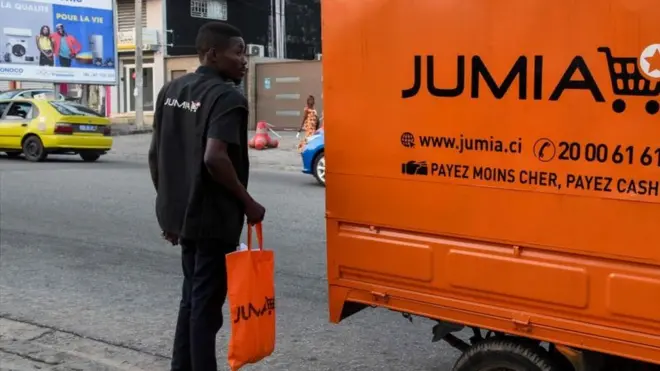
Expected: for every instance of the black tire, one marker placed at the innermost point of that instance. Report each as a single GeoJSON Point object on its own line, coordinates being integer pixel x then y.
{"type": "Point", "coordinates": [90, 156]}
{"type": "Point", "coordinates": [502, 354]}
{"type": "Point", "coordinates": [33, 149]}
{"type": "Point", "coordinates": [13, 154]}
{"type": "Point", "coordinates": [319, 168]}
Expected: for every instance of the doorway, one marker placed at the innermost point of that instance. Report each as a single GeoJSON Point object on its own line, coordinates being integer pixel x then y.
{"type": "Point", "coordinates": [128, 103]}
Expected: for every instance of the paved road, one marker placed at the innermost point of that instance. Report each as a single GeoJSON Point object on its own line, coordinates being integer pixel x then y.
{"type": "Point", "coordinates": [85, 279]}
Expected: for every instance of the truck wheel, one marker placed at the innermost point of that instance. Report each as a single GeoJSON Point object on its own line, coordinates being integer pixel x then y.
{"type": "Point", "coordinates": [504, 355]}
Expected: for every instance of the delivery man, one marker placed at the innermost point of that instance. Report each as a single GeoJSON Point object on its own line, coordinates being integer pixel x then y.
{"type": "Point", "coordinates": [199, 166]}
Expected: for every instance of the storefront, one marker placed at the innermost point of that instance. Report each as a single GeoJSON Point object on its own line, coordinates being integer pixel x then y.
{"type": "Point", "coordinates": [153, 67]}
{"type": "Point", "coordinates": [122, 97]}
{"type": "Point", "coordinates": [127, 79]}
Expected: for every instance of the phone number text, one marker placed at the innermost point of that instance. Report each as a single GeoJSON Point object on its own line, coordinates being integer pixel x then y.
{"type": "Point", "coordinates": [602, 153]}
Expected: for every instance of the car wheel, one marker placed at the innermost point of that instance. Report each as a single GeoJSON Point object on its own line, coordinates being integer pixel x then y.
{"type": "Point", "coordinates": [13, 154]}
{"type": "Point", "coordinates": [90, 156]}
{"type": "Point", "coordinates": [33, 149]}
{"type": "Point", "coordinates": [319, 168]}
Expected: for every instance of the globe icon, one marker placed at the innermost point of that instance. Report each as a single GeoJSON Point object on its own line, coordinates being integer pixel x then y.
{"type": "Point", "coordinates": [408, 140]}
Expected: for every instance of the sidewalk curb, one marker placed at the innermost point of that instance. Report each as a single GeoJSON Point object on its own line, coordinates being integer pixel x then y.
{"type": "Point", "coordinates": [255, 163]}
{"type": "Point", "coordinates": [257, 159]}
{"type": "Point", "coordinates": [135, 132]}
{"type": "Point", "coordinates": [122, 129]}
{"type": "Point", "coordinates": [130, 143]}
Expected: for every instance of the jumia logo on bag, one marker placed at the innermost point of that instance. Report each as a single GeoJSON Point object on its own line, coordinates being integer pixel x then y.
{"type": "Point", "coordinates": [245, 312]}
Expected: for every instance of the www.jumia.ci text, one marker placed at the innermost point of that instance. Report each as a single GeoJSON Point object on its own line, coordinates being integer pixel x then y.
{"type": "Point", "coordinates": [463, 144]}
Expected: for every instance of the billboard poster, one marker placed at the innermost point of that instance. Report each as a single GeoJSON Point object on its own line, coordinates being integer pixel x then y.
{"type": "Point", "coordinates": [59, 41]}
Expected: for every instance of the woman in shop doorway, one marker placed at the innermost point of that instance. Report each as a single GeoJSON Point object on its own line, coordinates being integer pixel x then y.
{"type": "Point", "coordinates": [45, 46]}
{"type": "Point", "coordinates": [66, 46]}
{"type": "Point", "coordinates": [310, 122]}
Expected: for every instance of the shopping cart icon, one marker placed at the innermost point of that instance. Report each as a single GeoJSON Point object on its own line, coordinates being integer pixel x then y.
{"type": "Point", "coordinates": [627, 80]}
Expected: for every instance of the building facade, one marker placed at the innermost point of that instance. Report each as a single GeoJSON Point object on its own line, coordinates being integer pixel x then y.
{"type": "Point", "coordinates": [185, 17]}
{"type": "Point", "coordinates": [278, 31]}
{"type": "Point", "coordinates": [286, 29]}
{"type": "Point", "coordinates": [302, 30]}
{"type": "Point", "coordinates": [121, 98]}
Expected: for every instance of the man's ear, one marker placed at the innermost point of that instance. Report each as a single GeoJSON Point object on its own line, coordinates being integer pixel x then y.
{"type": "Point", "coordinates": [212, 55]}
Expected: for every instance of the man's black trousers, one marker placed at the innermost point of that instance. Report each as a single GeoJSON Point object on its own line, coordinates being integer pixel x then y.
{"type": "Point", "coordinates": [200, 312]}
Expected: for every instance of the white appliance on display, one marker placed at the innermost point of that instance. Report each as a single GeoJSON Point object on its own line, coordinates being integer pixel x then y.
{"type": "Point", "coordinates": [18, 40]}
{"type": "Point", "coordinates": [96, 47]}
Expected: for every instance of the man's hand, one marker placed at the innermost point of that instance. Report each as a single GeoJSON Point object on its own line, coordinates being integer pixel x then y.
{"type": "Point", "coordinates": [254, 212]}
{"type": "Point", "coordinates": [171, 238]}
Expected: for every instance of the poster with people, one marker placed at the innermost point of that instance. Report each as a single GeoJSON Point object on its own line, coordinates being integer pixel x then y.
{"type": "Point", "coordinates": [44, 40]}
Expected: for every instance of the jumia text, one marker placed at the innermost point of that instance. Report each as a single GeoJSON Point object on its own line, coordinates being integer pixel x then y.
{"type": "Point", "coordinates": [520, 71]}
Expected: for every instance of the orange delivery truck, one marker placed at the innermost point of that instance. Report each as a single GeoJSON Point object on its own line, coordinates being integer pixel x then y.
{"type": "Point", "coordinates": [494, 165]}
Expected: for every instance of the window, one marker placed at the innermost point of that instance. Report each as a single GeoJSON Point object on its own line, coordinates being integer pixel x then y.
{"type": "Point", "coordinates": [19, 111]}
{"type": "Point", "coordinates": [126, 15]}
{"type": "Point", "coordinates": [74, 109]}
{"type": "Point", "coordinates": [3, 107]}
{"type": "Point", "coordinates": [175, 74]}
{"type": "Point", "coordinates": [209, 9]}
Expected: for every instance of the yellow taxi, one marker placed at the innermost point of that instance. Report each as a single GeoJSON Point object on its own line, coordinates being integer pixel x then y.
{"type": "Point", "coordinates": [39, 127]}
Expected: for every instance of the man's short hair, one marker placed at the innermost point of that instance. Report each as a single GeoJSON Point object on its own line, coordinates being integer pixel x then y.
{"type": "Point", "coordinates": [215, 35]}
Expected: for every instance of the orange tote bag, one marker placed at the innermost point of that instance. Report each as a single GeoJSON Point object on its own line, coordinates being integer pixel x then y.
{"type": "Point", "coordinates": [251, 294]}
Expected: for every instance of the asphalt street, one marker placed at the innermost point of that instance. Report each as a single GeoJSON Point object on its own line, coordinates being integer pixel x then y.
{"type": "Point", "coordinates": [81, 259]}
